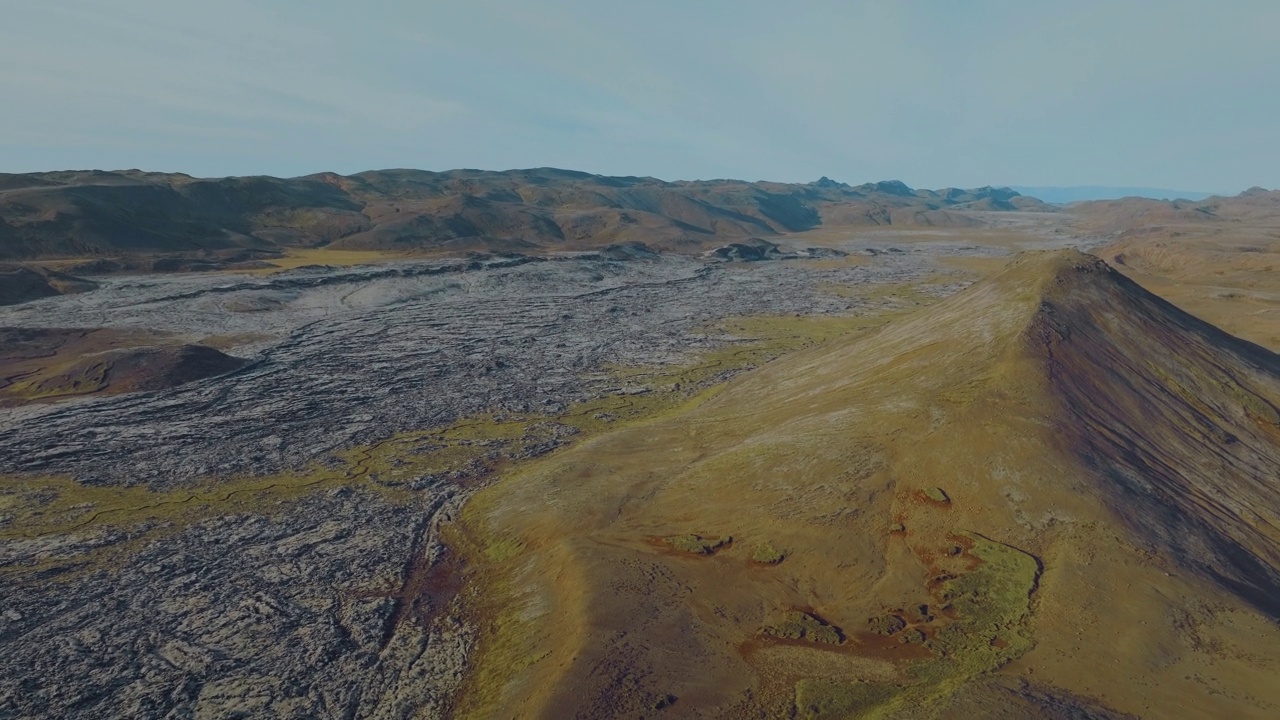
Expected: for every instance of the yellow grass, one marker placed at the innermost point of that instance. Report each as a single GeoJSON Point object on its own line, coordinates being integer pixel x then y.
{"type": "Point", "coordinates": [828, 452]}
{"type": "Point", "coordinates": [301, 257]}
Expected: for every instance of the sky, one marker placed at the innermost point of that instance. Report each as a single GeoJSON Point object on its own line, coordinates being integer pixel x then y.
{"type": "Point", "coordinates": [1182, 94]}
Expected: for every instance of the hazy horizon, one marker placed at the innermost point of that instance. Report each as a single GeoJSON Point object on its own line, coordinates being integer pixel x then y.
{"type": "Point", "coordinates": [989, 93]}
{"type": "Point", "coordinates": [1049, 193]}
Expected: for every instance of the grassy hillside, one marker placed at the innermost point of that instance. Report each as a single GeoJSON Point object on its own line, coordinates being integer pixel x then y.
{"type": "Point", "coordinates": [1044, 497]}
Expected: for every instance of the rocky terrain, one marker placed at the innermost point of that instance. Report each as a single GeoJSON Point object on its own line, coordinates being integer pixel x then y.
{"type": "Point", "coordinates": [343, 357]}
{"type": "Point", "coordinates": [263, 542]}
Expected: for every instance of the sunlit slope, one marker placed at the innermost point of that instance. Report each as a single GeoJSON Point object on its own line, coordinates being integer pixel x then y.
{"type": "Point", "coordinates": [1049, 496]}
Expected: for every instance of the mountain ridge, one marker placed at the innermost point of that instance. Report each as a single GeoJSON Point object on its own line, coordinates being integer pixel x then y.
{"type": "Point", "coordinates": [106, 214]}
{"type": "Point", "coordinates": [1064, 194]}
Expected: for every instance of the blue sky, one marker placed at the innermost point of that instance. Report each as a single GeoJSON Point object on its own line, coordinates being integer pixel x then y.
{"type": "Point", "coordinates": [936, 93]}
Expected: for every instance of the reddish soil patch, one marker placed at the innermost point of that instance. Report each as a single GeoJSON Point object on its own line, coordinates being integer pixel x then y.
{"type": "Point", "coordinates": [888, 647]}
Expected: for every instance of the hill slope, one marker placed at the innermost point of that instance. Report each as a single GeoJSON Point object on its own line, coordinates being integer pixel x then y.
{"type": "Point", "coordinates": [53, 363]}
{"type": "Point", "coordinates": [1216, 258]}
{"type": "Point", "coordinates": [19, 284]}
{"type": "Point", "coordinates": [1051, 495]}
{"type": "Point", "coordinates": [1136, 217]}
{"type": "Point", "coordinates": [1079, 193]}
{"type": "Point", "coordinates": [78, 214]}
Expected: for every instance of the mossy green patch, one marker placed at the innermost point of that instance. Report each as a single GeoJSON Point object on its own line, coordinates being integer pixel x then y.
{"type": "Point", "coordinates": [886, 624]}
{"type": "Point", "coordinates": [697, 544]}
{"type": "Point", "coordinates": [937, 495]}
{"type": "Point", "coordinates": [817, 699]}
{"type": "Point", "coordinates": [1257, 408]}
{"type": "Point", "coordinates": [1192, 385]}
{"type": "Point", "coordinates": [766, 554]}
{"type": "Point", "coordinates": [37, 506]}
{"type": "Point", "coordinates": [992, 603]}
{"type": "Point", "coordinates": [65, 379]}
{"type": "Point", "coordinates": [797, 625]}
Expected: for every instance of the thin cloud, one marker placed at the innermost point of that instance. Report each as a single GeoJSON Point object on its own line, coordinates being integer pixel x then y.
{"type": "Point", "coordinates": [1096, 91]}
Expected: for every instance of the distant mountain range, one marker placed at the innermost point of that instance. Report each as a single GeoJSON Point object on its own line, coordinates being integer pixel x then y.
{"type": "Point", "coordinates": [135, 213]}
{"type": "Point", "coordinates": [1062, 195]}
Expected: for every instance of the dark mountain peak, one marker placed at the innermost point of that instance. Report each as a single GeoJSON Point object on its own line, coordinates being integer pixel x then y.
{"type": "Point", "coordinates": [995, 193]}
{"type": "Point", "coordinates": [826, 182]}
{"type": "Point", "coordinates": [888, 187]}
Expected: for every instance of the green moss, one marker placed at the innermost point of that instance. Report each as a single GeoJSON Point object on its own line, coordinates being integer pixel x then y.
{"type": "Point", "coordinates": [992, 604]}
{"type": "Point", "coordinates": [912, 636]}
{"type": "Point", "coordinates": [797, 625]}
{"type": "Point", "coordinates": [822, 699]}
{"type": "Point", "coordinates": [501, 549]}
{"type": "Point", "coordinates": [1255, 407]}
{"type": "Point", "coordinates": [697, 544]}
{"type": "Point", "coordinates": [766, 554]}
{"type": "Point", "coordinates": [36, 506]}
{"type": "Point", "coordinates": [1195, 384]}
{"type": "Point", "coordinates": [62, 380]}
{"type": "Point", "coordinates": [886, 624]}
